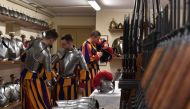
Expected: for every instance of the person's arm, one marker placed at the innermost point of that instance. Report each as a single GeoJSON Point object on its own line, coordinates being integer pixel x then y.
{"type": "Point", "coordinates": [89, 53]}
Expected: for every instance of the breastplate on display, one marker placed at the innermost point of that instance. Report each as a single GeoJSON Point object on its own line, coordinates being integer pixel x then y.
{"type": "Point", "coordinates": [4, 48]}
{"type": "Point", "coordinates": [118, 46]}
{"type": "Point", "coordinates": [15, 46]}
{"type": "Point", "coordinates": [38, 54]}
{"type": "Point", "coordinates": [5, 95]}
{"type": "Point", "coordinates": [15, 92]}
{"type": "Point", "coordinates": [70, 61]}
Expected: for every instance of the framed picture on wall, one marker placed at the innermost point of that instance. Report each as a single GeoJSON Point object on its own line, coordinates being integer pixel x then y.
{"type": "Point", "coordinates": [103, 37]}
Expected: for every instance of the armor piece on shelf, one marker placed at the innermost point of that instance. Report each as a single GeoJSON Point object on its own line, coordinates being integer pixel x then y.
{"type": "Point", "coordinates": [82, 103]}
{"type": "Point", "coordinates": [14, 92]}
{"type": "Point", "coordinates": [103, 82]}
{"type": "Point", "coordinates": [15, 47]}
{"type": "Point", "coordinates": [113, 24]}
{"type": "Point", "coordinates": [4, 94]}
{"type": "Point", "coordinates": [69, 59]}
{"type": "Point", "coordinates": [120, 26]}
{"type": "Point", "coordinates": [15, 88]}
{"type": "Point", "coordinates": [38, 54]}
{"type": "Point", "coordinates": [3, 48]}
{"type": "Point", "coordinates": [118, 46]}
{"type": "Point", "coordinates": [4, 101]}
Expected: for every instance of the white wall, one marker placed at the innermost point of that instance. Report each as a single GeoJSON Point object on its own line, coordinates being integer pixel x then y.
{"type": "Point", "coordinates": [103, 19]}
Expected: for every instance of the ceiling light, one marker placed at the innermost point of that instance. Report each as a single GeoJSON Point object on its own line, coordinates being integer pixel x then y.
{"type": "Point", "coordinates": [94, 4]}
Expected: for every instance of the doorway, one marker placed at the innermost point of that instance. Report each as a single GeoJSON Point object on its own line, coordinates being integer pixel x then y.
{"type": "Point", "coordinates": [79, 33]}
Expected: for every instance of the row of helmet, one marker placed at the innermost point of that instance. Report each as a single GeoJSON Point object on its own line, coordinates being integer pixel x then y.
{"type": "Point", "coordinates": [21, 16]}
{"type": "Point", "coordinates": [9, 91]}
{"type": "Point", "coordinates": [82, 103]}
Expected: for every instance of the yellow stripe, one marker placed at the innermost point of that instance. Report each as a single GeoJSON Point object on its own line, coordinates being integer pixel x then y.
{"type": "Point", "coordinates": [89, 87]}
{"type": "Point", "coordinates": [72, 92]}
{"type": "Point", "coordinates": [35, 95]}
{"type": "Point", "coordinates": [28, 75]}
{"type": "Point", "coordinates": [31, 97]}
{"type": "Point", "coordinates": [48, 92]}
{"type": "Point", "coordinates": [40, 90]}
{"type": "Point", "coordinates": [84, 91]}
{"type": "Point", "coordinates": [58, 90]}
{"type": "Point", "coordinates": [53, 73]}
{"type": "Point", "coordinates": [67, 82]}
{"type": "Point", "coordinates": [83, 74]}
{"type": "Point", "coordinates": [65, 92]}
{"type": "Point", "coordinates": [57, 66]}
{"type": "Point", "coordinates": [93, 73]}
{"type": "Point", "coordinates": [41, 73]}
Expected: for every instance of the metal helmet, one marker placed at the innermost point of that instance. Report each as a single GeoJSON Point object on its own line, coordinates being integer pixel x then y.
{"type": "Point", "coordinates": [118, 46]}
{"type": "Point", "coordinates": [103, 82]}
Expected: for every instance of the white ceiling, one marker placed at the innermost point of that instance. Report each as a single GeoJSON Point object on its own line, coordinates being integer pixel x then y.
{"type": "Point", "coordinates": [80, 7]}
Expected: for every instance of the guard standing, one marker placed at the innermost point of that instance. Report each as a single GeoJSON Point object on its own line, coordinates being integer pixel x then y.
{"type": "Point", "coordinates": [92, 56]}
{"type": "Point", "coordinates": [37, 74]}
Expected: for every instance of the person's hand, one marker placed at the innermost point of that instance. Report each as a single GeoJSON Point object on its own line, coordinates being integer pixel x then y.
{"type": "Point", "coordinates": [52, 82]}
{"type": "Point", "coordinates": [105, 46]}
{"type": "Point", "coordinates": [99, 54]}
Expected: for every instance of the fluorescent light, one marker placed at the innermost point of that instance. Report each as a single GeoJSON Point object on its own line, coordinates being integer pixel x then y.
{"type": "Point", "coordinates": [94, 4]}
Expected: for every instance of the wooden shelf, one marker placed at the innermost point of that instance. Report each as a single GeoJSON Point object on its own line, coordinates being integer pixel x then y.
{"type": "Point", "coordinates": [22, 23]}
{"type": "Point", "coordinates": [116, 30]}
{"type": "Point", "coordinates": [10, 62]}
{"type": "Point", "coordinates": [15, 105]}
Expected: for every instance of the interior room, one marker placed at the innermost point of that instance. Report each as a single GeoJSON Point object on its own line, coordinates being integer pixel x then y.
{"type": "Point", "coordinates": [94, 54]}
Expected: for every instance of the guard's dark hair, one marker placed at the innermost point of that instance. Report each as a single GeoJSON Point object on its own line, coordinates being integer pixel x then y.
{"type": "Point", "coordinates": [51, 34]}
{"type": "Point", "coordinates": [67, 37]}
{"type": "Point", "coordinates": [95, 34]}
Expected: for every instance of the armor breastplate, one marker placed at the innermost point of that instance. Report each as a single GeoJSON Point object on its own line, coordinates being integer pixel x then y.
{"type": "Point", "coordinates": [4, 97]}
{"type": "Point", "coordinates": [38, 54]}
{"type": "Point", "coordinates": [118, 46]}
{"type": "Point", "coordinates": [4, 48]}
{"type": "Point", "coordinates": [15, 46]}
{"type": "Point", "coordinates": [70, 61]}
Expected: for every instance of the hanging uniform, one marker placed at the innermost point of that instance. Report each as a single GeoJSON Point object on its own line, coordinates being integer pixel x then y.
{"type": "Point", "coordinates": [72, 68]}
{"type": "Point", "coordinates": [37, 72]}
{"type": "Point", "coordinates": [90, 54]}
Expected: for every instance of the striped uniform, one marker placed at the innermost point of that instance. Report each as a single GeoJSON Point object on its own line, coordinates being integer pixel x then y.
{"type": "Point", "coordinates": [34, 91]}
{"type": "Point", "coordinates": [67, 88]}
{"type": "Point", "coordinates": [90, 54]}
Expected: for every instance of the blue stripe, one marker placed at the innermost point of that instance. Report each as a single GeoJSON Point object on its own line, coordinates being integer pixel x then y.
{"type": "Point", "coordinates": [75, 91]}
{"type": "Point", "coordinates": [86, 55]}
{"type": "Point", "coordinates": [61, 92]}
{"type": "Point", "coordinates": [45, 96]}
{"type": "Point", "coordinates": [33, 94]}
{"type": "Point", "coordinates": [91, 87]}
{"type": "Point", "coordinates": [23, 74]}
{"type": "Point", "coordinates": [68, 92]}
{"type": "Point", "coordinates": [38, 94]}
{"type": "Point", "coordinates": [86, 88]}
